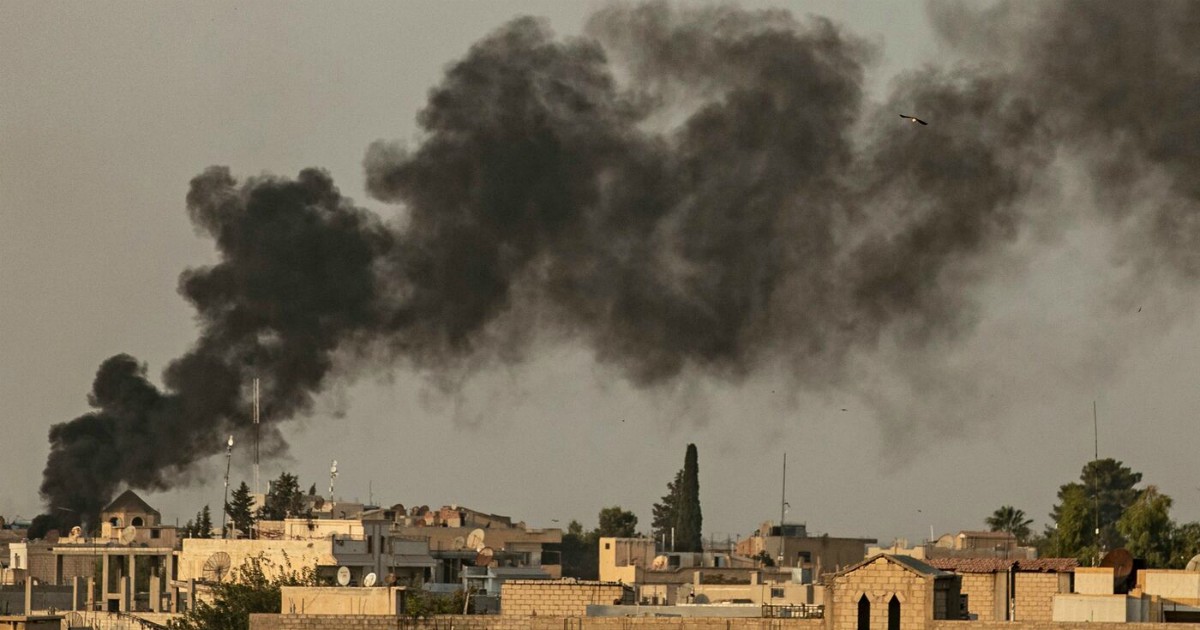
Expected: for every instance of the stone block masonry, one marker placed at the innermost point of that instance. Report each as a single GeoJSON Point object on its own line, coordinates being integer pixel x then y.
{"type": "Point", "coordinates": [496, 622]}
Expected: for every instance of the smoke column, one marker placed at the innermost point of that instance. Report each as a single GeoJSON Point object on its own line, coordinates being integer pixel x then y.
{"type": "Point", "coordinates": [696, 191]}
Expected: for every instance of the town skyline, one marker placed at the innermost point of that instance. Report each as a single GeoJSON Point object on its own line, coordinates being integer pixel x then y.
{"type": "Point", "coordinates": [112, 113]}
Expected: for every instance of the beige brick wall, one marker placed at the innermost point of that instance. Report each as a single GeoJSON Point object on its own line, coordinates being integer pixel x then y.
{"type": "Point", "coordinates": [491, 622]}
{"type": "Point", "coordinates": [1035, 596]}
{"type": "Point", "coordinates": [554, 598]}
{"type": "Point", "coordinates": [880, 581]}
{"type": "Point", "coordinates": [980, 589]}
{"type": "Point", "coordinates": [1050, 625]}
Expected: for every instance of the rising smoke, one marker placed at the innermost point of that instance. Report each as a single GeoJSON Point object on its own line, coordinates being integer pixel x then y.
{"type": "Point", "coordinates": [684, 191]}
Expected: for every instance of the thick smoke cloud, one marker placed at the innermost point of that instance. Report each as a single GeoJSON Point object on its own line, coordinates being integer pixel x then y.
{"type": "Point", "coordinates": [698, 191]}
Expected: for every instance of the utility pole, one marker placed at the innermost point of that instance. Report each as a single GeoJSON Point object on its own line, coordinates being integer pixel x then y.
{"type": "Point", "coordinates": [1095, 481]}
{"type": "Point", "coordinates": [225, 504]}
{"type": "Point", "coordinates": [256, 484]}
{"type": "Point", "coordinates": [783, 496]}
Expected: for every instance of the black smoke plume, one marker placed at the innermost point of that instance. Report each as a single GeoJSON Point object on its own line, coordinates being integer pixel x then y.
{"type": "Point", "coordinates": [698, 191]}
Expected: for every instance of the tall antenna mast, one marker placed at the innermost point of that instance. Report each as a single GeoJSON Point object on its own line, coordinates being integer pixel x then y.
{"type": "Point", "coordinates": [783, 496]}
{"type": "Point", "coordinates": [332, 475]}
{"type": "Point", "coordinates": [256, 486]}
{"type": "Point", "coordinates": [1095, 481]}
{"type": "Point", "coordinates": [225, 507]}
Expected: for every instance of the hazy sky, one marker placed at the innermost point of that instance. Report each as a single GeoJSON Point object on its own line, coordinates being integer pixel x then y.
{"type": "Point", "coordinates": [108, 109]}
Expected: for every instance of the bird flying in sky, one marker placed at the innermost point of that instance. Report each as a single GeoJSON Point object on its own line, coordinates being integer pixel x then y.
{"type": "Point", "coordinates": [914, 119]}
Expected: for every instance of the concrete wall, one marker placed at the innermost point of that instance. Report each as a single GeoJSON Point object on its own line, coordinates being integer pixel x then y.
{"type": "Point", "coordinates": [284, 555]}
{"type": "Point", "coordinates": [38, 559]}
{"type": "Point", "coordinates": [336, 600]}
{"type": "Point", "coordinates": [552, 598]}
{"type": "Point", "coordinates": [13, 622]}
{"type": "Point", "coordinates": [1094, 580]}
{"type": "Point", "coordinates": [1180, 586]}
{"type": "Point", "coordinates": [1076, 607]}
{"type": "Point", "coordinates": [491, 622]}
{"type": "Point", "coordinates": [45, 597]}
{"type": "Point", "coordinates": [879, 581]}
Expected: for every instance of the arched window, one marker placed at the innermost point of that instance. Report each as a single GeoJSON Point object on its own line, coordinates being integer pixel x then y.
{"type": "Point", "coordinates": [894, 614]}
{"type": "Point", "coordinates": [136, 522]}
{"type": "Point", "coordinates": [864, 613]}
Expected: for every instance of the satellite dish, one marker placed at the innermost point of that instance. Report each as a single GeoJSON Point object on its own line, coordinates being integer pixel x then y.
{"type": "Point", "coordinates": [485, 558]}
{"type": "Point", "coordinates": [1193, 564]}
{"type": "Point", "coordinates": [459, 543]}
{"type": "Point", "coordinates": [475, 540]}
{"type": "Point", "coordinates": [1121, 562]}
{"type": "Point", "coordinates": [343, 576]}
{"type": "Point", "coordinates": [370, 580]}
{"type": "Point", "coordinates": [659, 563]}
{"type": "Point", "coordinates": [128, 534]}
{"type": "Point", "coordinates": [216, 567]}
{"type": "Point", "coordinates": [76, 533]}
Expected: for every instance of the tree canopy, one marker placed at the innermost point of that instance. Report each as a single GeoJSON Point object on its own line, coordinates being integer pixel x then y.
{"type": "Point", "coordinates": [617, 522]}
{"type": "Point", "coordinates": [284, 499]}
{"type": "Point", "coordinates": [1011, 520]}
{"type": "Point", "coordinates": [241, 510]}
{"type": "Point", "coordinates": [679, 509]}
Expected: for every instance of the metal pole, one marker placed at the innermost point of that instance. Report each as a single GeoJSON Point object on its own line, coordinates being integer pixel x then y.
{"type": "Point", "coordinates": [225, 505]}
{"type": "Point", "coordinates": [1095, 484]}
{"type": "Point", "coordinates": [783, 496]}
{"type": "Point", "coordinates": [256, 482]}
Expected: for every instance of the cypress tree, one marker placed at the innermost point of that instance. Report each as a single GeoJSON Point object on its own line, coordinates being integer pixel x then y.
{"type": "Point", "coordinates": [688, 536]}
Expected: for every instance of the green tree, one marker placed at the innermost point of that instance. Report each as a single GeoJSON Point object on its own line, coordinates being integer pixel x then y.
{"type": "Point", "coordinates": [204, 524]}
{"type": "Point", "coordinates": [1185, 544]}
{"type": "Point", "coordinates": [580, 553]}
{"type": "Point", "coordinates": [284, 499]}
{"type": "Point", "coordinates": [1106, 484]}
{"type": "Point", "coordinates": [1147, 527]}
{"type": "Point", "coordinates": [689, 521]}
{"type": "Point", "coordinates": [666, 512]}
{"type": "Point", "coordinates": [1011, 520]}
{"type": "Point", "coordinates": [253, 588]}
{"type": "Point", "coordinates": [241, 510]}
{"type": "Point", "coordinates": [617, 523]}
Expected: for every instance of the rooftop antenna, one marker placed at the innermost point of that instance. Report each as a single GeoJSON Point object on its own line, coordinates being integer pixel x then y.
{"type": "Point", "coordinates": [783, 496]}
{"type": "Point", "coordinates": [1095, 486]}
{"type": "Point", "coordinates": [225, 505]}
{"type": "Point", "coordinates": [256, 484]}
{"type": "Point", "coordinates": [332, 475]}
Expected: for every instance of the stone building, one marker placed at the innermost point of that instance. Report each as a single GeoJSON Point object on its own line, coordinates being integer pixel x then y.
{"type": "Point", "coordinates": [790, 545]}
{"type": "Point", "coordinates": [886, 592]}
{"type": "Point", "coordinates": [994, 589]}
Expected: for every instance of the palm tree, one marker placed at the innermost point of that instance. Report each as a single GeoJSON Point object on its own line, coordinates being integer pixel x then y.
{"type": "Point", "coordinates": [1011, 520]}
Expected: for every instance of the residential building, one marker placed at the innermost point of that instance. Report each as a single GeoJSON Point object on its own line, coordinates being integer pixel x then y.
{"type": "Point", "coordinates": [790, 545]}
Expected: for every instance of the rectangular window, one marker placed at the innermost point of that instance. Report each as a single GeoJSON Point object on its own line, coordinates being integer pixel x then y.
{"type": "Point", "coordinates": [776, 592]}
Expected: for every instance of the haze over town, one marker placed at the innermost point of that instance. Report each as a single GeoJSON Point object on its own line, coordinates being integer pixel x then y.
{"type": "Point", "coordinates": [1083, 292]}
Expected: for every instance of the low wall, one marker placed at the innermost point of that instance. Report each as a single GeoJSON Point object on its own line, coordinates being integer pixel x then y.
{"type": "Point", "coordinates": [495, 622]}
{"type": "Point", "coordinates": [1056, 625]}
{"type": "Point", "coordinates": [45, 597]}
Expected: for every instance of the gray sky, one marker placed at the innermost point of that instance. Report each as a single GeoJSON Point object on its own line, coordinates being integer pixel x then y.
{"type": "Point", "coordinates": [108, 109]}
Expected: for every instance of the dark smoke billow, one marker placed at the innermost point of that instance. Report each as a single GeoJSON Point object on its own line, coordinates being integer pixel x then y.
{"type": "Point", "coordinates": [686, 191]}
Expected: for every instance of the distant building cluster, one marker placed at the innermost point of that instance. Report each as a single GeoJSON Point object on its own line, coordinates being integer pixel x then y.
{"type": "Point", "coordinates": [369, 561]}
